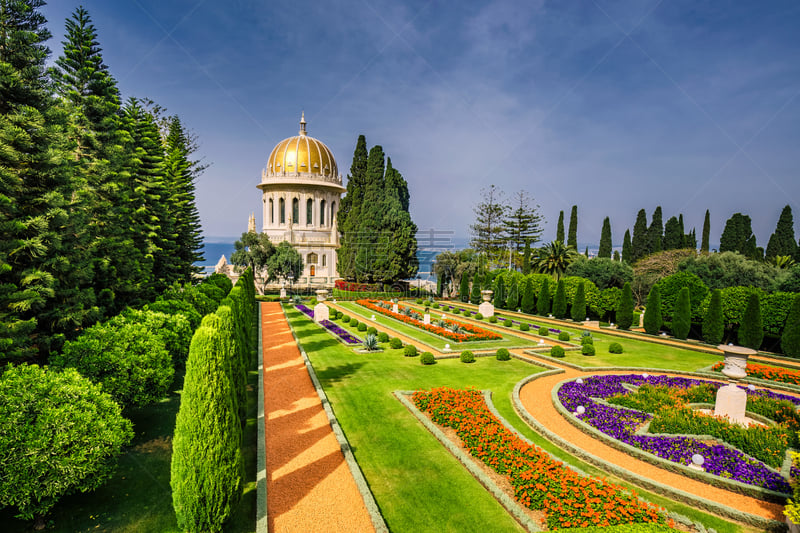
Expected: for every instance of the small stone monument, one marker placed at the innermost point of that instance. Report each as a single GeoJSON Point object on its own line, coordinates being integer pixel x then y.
{"type": "Point", "coordinates": [394, 306]}
{"type": "Point", "coordinates": [486, 308]}
{"type": "Point", "coordinates": [731, 400]}
{"type": "Point", "coordinates": [321, 311]}
{"type": "Point", "coordinates": [426, 318]}
{"type": "Point", "coordinates": [641, 319]}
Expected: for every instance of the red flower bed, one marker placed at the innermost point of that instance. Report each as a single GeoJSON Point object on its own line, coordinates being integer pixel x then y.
{"type": "Point", "coordinates": [773, 373]}
{"type": "Point", "coordinates": [474, 333]}
{"type": "Point", "coordinates": [350, 286]}
{"type": "Point", "coordinates": [540, 482]}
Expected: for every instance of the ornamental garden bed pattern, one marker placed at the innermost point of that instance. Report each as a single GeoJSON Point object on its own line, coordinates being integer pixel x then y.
{"type": "Point", "coordinates": [341, 333]}
{"type": "Point", "coordinates": [623, 424]}
{"type": "Point", "coordinates": [533, 326]}
{"type": "Point", "coordinates": [539, 481]}
{"type": "Point", "coordinates": [463, 332]}
{"type": "Point", "coordinates": [771, 373]}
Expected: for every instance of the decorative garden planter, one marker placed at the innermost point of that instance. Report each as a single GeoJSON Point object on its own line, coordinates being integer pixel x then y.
{"type": "Point", "coordinates": [321, 311]}
{"type": "Point", "coordinates": [486, 308]}
{"type": "Point", "coordinates": [731, 400]}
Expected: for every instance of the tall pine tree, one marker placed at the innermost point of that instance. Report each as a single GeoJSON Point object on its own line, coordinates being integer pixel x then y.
{"type": "Point", "coordinates": [522, 224]}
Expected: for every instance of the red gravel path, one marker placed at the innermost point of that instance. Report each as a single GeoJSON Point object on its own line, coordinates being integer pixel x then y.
{"type": "Point", "coordinates": [309, 486]}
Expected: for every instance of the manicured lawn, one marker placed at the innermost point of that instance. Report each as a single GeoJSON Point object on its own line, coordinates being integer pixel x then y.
{"type": "Point", "coordinates": [418, 485]}
{"type": "Point", "coordinates": [138, 497]}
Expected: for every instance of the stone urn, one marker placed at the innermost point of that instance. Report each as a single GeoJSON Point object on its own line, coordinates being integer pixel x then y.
{"type": "Point", "coordinates": [486, 308]}
{"type": "Point", "coordinates": [322, 294]}
{"type": "Point", "coordinates": [731, 400]}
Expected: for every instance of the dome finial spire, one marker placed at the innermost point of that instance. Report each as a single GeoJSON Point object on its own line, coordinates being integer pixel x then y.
{"type": "Point", "coordinates": [303, 123]}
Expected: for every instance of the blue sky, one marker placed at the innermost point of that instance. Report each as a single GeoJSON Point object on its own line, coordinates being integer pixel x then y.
{"type": "Point", "coordinates": [612, 106]}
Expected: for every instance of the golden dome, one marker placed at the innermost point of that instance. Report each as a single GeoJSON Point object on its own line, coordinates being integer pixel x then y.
{"type": "Point", "coordinates": [301, 155]}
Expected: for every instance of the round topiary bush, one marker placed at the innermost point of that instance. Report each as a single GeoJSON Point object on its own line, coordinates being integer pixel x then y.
{"type": "Point", "coordinates": [395, 343]}
{"type": "Point", "coordinates": [383, 337]}
{"type": "Point", "coordinates": [372, 330]}
{"type": "Point", "coordinates": [586, 340]}
{"type": "Point", "coordinates": [507, 322]}
{"type": "Point", "coordinates": [354, 322]}
{"type": "Point", "coordinates": [467, 357]}
{"type": "Point", "coordinates": [478, 316]}
{"type": "Point", "coordinates": [556, 351]}
{"type": "Point", "coordinates": [563, 336]}
{"type": "Point", "coordinates": [344, 318]}
{"type": "Point", "coordinates": [524, 326]}
{"type": "Point", "coordinates": [503, 355]}
{"type": "Point", "coordinates": [493, 319]}
{"type": "Point", "coordinates": [426, 358]}
{"type": "Point", "coordinates": [615, 347]}
{"type": "Point", "coordinates": [410, 350]}
{"type": "Point", "coordinates": [544, 331]}
{"type": "Point", "coordinates": [419, 301]}
{"type": "Point", "coordinates": [588, 349]}
{"type": "Point", "coordinates": [362, 326]}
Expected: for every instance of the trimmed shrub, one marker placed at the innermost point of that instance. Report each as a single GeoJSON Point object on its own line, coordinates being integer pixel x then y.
{"type": "Point", "coordinates": [475, 293]}
{"type": "Point", "coordinates": [345, 318]}
{"type": "Point", "coordinates": [362, 326]}
{"type": "Point", "coordinates": [524, 326]}
{"type": "Point", "coordinates": [751, 331]}
{"type": "Point", "coordinates": [493, 319]}
{"type": "Point", "coordinates": [467, 357]}
{"type": "Point", "coordinates": [174, 330]}
{"type": "Point", "coordinates": [419, 301]}
{"type": "Point", "coordinates": [234, 354]}
{"type": "Point", "coordinates": [556, 351]}
{"type": "Point", "coordinates": [395, 343]}
{"type": "Point", "coordinates": [500, 292]}
{"type": "Point", "coordinates": [544, 331]}
{"type": "Point", "coordinates": [588, 349]}
{"type": "Point", "coordinates": [502, 355]}
{"type": "Point", "coordinates": [383, 337]}
{"type": "Point", "coordinates": [220, 280]}
{"type": "Point", "coordinates": [212, 291]}
{"type": "Point", "coordinates": [579, 304]}
{"type": "Point", "coordinates": [543, 301]}
{"type": "Point", "coordinates": [560, 300]}
{"type": "Point", "coordinates": [426, 358]}
{"type": "Point", "coordinates": [624, 315]}
{"type": "Point", "coordinates": [478, 316]}
{"type": "Point", "coordinates": [586, 339]}
{"type": "Point", "coordinates": [410, 350]}
{"type": "Point", "coordinates": [507, 322]}
{"type": "Point", "coordinates": [528, 302]}
{"type": "Point", "coordinates": [615, 347]}
{"type": "Point", "coordinates": [563, 336]}
{"type": "Point", "coordinates": [372, 330]}
{"type": "Point", "coordinates": [790, 340]}
{"type": "Point", "coordinates": [174, 307]}
{"type": "Point", "coordinates": [652, 313]}
{"type": "Point", "coordinates": [713, 326]}
{"type": "Point", "coordinates": [682, 316]}
{"type": "Point", "coordinates": [354, 322]}
{"type": "Point", "coordinates": [512, 296]}
{"type": "Point", "coordinates": [59, 434]}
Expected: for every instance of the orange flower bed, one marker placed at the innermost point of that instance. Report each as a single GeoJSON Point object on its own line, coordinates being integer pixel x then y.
{"type": "Point", "coordinates": [772, 373]}
{"type": "Point", "coordinates": [539, 481]}
{"type": "Point", "coordinates": [474, 333]}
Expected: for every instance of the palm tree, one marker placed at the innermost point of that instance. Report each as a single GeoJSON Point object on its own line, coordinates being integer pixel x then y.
{"type": "Point", "coordinates": [554, 258]}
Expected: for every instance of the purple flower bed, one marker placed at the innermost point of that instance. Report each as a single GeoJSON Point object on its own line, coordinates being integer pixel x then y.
{"type": "Point", "coordinates": [621, 423]}
{"type": "Point", "coordinates": [342, 333]}
{"type": "Point", "coordinates": [516, 322]}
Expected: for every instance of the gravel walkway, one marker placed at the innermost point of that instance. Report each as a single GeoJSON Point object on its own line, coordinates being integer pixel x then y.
{"type": "Point", "coordinates": [309, 485]}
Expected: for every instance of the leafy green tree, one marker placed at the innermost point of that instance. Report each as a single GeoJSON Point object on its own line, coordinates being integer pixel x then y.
{"type": "Point", "coordinates": [602, 271]}
{"type": "Point", "coordinates": [579, 305]}
{"type": "Point", "coordinates": [713, 324]}
{"type": "Point", "coordinates": [605, 239]}
{"type": "Point", "coordinates": [670, 287]}
{"type": "Point", "coordinates": [640, 244]}
{"type": "Point", "coordinates": [522, 223]}
{"type": "Point", "coordinates": [738, 235]}
{"type": "Point", "coordinates": [609, 303]}
{"type": "Point", "coordinates": [488, 231]}
{"type": "Point", "coordinates": [475, 293]}
{"type": "Point", "coordinates": [286, 262]}
{"type": "Point", "coordinates": [554, 258]}
{"type": "Point", "coordinates": [782, 241]}
{"type": "Point", "coordinates": [543, 300]}
{"type": "Point", "coordinates": [704, 246]}
{"type": "Point", "coordinates": [731, 269]}
{"type": "Point", "coordinates": [512, 301]}
{"type": "Point", "coordinates": [682, 317]}
{"type": "Point", "coordinates": [655, 233]}
{"type": "Point", "coordinates": [751, 330]}
{"type": "Point", "coordinates": [500, 293]}
{"type": "Point", "coordinates": [528, 297]}
{"type": "Point", "coordinates": [572, 235]}
{"type": "Point", "coordinates": [174, 330]}
{"type": "Point", "coordinates": [207, 468]}
{"type": "Point", "coordinates": [627, 250]}
{"type": "Point", "coordinates": [463, 291]}
{"type": "Point", "coordinates": [560, 301]}
{"type": "Point", "coordinates": [350, 211]}
{"type": "Point", "coordinates": [673, 234]}
{"type": "Point", "coordinates": [59, 434]}
{"type": "Point", "coordinates": [254, 250]}
{"type": "Point", "coordinates": [624, 316]}
{"type": "Point", "coordinates": [560, 228]}
{"type": "Point", "coordinates": [652, 313]}
{"type": "Point", "coordinates": [790, 340]}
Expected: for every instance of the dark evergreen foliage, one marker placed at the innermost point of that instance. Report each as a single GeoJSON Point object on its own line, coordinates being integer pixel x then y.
{"type": "Point", "coordinates": [640, 244]}
{"type": "Point", "coordinates": [624, 315]}
{"type": "Point", "coordinates": [475, 293]}
{"type": "Point", "coordinates": [655, 233]}
{"type": "Point", "coordinates": [560, 228]}
{"type": "Point", "coordinates": [605, 239]}
{"type": "Point", "coordinates": [706, 232]}
{"type": "Point", "coordinates": [500, 293]}
{"type": "Point", "coordinates": [738, 236]}
{"type": "Point", "coordinates": [522, 224]}
{"type": "Point", "coordinates": [751, 329]}
{"type": "Point", "coordinates": [572, 235]}
{"type": "Point", "coordinates": [713, 325]}
{"type": "Point", "coordinates": [673, 234]}
{"type": "Point", "coordinates": [627, 249]}
{"type": "Point", "coordinates": [543, 300]}
{"type": "Point", "coordinates": [782, 242]}
{"type": "Point", "coordinates": [652, 313]}
{"type": "Point", "coordinates": [528, 297]}
{"type": "Point", "coordinates": [578, 309]}
{"type": "Point", "coordinates": [682, 316]}
{"type": "Point", "coordinates": [488, 231]}
{"type": "Point", "coordinates": [526, 259]}
{"type": "Point", "coordinates": [512, 300]}
{"type": "Point", "coordinates": [790, 340]}
{"type": "Point", "coordinates": [560, 301]}
{"type": "Point", "coordinates": [463, 291]}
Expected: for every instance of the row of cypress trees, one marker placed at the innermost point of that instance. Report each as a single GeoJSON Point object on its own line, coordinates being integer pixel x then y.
{"type": "Point", "coordinates": [97, 206]}
{"type": "Point", "coordinates": [207, 472]}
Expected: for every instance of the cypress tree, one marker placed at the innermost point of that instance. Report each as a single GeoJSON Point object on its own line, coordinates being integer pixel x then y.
{"type": "Point", "coordinates": [235, 356]}
{"type": "Point", "coordinates": [751, 329]}
{"type": "Point", "coordinates": [579, 304]}
{"type": "Point", "coordinates": [463, 289]}
{"type": "Point", "coordinates": [673, 234]}
{"type": "Point", "coordinates": [560, 228]}
{"type": "Point", "coordinates": [572, 236]}
{"type": "Point", "coordinates": [782, 241]}
{"type": "Point", "coordinates": [605, 239]}
{"type": "Point", "coordinates": [682, 316]}
{"type": "Point", "coordinates": [372, 213]}
{"type": "Point", "coordinates": [652, 313]}
{"type": "Point", "coordinates": [500, 293]}
{"type": "Point", "coordinates": [738, 235]}
{"type": "Point", "coordinates": [398, 230]}
{"type": "Point", "coordinates": [713, 326]}
{"type": "Point", "coordinates": [475, 295]}
{"type": "Point", "coordinates": [207, 467]}
{"type": "Point", "coordinates": [681, 230]}
{"type": "Point", "coordinates": [790, 340]}
{"type": "Point", "coordinates": [655, 233]}
{"type": "Point", "coordinates": [439, 286]}
{"type": "Point", "coordinates": [528, 297]}
{"type": "Point", "coordinates": [526, 259]}
{"type": "Point", "coordinates": [616, 256]}
{"type": "Point", "coordinates": [627, 251]}
{"type": "Point", "coordinates": [624, 315]}
{"type": "Point", "coordinates": [560, 300]}
{"type": "Point", "coordinates": [690, 240]}
{"type": "Point", "coordinates": [706, 233]}
{"type": "Point", "coordinates": [543, 301]}
{"type": "Point", "coordinates": [512, 300]}
{"type": "Point", "coordinates": [640, 245]}
{"type": "Point", "coordinates": [350, 211]}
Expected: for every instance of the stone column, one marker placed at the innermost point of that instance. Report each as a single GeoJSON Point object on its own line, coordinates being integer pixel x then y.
{"type": "Point", "coordinates": [321, 311]}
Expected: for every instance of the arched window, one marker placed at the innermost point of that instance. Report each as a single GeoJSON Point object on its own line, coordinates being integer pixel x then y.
{"type": "Point", "coordinates": [282, 206]}
{"type": "Point", "coordinates": [295, 210]}
{"type": "Point", "coordinates": [271, 212]}
{"type": "Point", "coordinates": [322, 213]}
{"type": "Point", "coordinates": [311, 259]}
{"type": "Point", "coordinates": [333, 211]}
{"type": "Point", "coordinates": [309, 212]}
{"type": "Point", "coordinates": [323, 259]}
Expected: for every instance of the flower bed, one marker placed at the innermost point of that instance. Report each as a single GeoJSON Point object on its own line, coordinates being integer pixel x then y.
{"type": "Point", "coordinates": [515, 322]}
{"type": "Point", "coordinates": [473, 333]}
{"type": "Point", "coordinates": [772, 373]}
{"type": "Point", "coordinates": [539, 481]}
{"type": "Point", "coordinates": [342, 333]}
{"type": "Point", "coordinates": [622, 423]}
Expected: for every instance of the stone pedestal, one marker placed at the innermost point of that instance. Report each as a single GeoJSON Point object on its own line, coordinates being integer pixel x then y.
{"type": "Point", "coordinates": [321, 312]}
{"type": "Point", "coordinates": [731, 402]}
{"type": "Point", "coordinates": [394, 308]}
{"type": "Point", "coordinates": [486, 308]}
{"type": "Point", "coordinates": [283, 293]}
{"type": "Point", "coordinates": [426, 318]}
{"type": "Point", "coordinates": [641, 320]}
